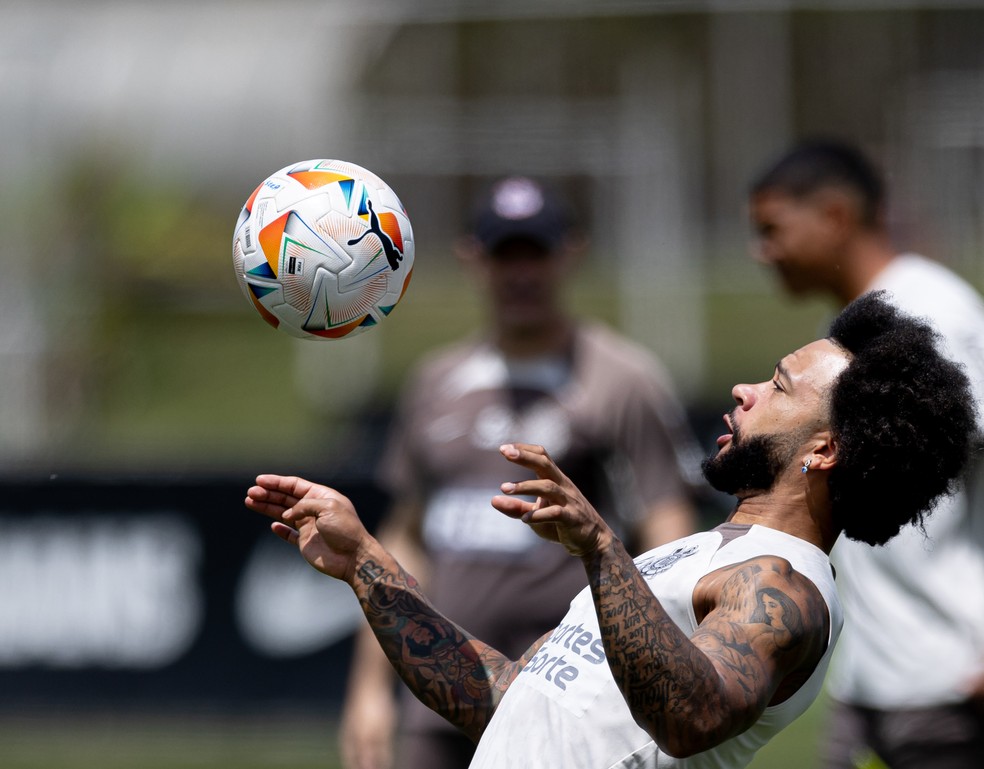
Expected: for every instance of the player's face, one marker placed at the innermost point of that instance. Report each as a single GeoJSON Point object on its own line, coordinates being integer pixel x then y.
{"type": "Point", "coordinates": [773, 421]}
{"type": "Point", "coordinates": [798, 239]}
{"type": "Point", "coordinates": [524, 282]}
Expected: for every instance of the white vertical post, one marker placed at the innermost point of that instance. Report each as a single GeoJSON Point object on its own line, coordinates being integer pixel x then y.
{"type": "Point", "coordinates": [657, 246]}
{"type": "Point", "coordinates": [749, 105]}
{"type": "Point", "coordinates": [22, 338]}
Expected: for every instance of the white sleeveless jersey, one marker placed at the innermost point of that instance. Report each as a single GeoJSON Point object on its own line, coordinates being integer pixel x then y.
{"type": "Point", "coordinates": [564, 709]}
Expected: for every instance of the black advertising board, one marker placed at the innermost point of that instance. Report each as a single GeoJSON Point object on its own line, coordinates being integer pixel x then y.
{"type": "Point", "coordinates": [163, 592]}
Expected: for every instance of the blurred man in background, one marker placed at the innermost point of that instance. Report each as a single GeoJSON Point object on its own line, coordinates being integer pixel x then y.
{"type": "Point", "coordinates": [601, 405]}
{"type": "Point", "coordinates": [907, 681]}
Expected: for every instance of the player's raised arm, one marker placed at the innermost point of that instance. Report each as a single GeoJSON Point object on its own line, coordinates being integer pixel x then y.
{"type": "Point", "coordinates": [454, 674]}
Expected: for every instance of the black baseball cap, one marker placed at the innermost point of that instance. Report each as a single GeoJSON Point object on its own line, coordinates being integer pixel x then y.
{"type": "Point", "coordinates": [521, 208]}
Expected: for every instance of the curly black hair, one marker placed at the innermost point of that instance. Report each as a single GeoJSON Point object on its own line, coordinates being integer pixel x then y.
{"type": "Point", "coordinates": [903, 419]}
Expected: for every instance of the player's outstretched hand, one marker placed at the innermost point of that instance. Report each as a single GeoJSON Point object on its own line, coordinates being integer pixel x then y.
{"type": "Point", "coordinates": [560, 512]}
{"type": "Point", "coordinates": [319, 520]}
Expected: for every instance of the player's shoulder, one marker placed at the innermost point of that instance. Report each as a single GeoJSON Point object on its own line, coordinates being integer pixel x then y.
{"type": "Point", "coordinates": [622, 374]}
{"type": "Point", "coordinates": [765, 575]}
{"type": "Point", "coordinates": [925, 287]}
{"type": "Point", "coordinates": [762, 567]}
{"type": "Point", "coordinates": [440, 361]}
{"type": "Point", "coordinates": [932, 291]}
{"type": "Point", "coordinates": [600, 346]}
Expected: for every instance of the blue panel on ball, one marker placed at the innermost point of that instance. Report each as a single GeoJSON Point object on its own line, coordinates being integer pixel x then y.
{"type": "Point", "coordinates": [346, 186]}
{"type": "Point", "coordinates": [261, 291]}
{"type": "Point", "coordinates": [262, 270]}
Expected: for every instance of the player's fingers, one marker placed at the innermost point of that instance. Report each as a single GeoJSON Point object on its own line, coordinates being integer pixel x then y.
{"type": "Point", "coordinates": [549, 514]}
{"type": "Point", "coordinates": [285, 532]}
{"type": "Point", "coordinates": [306, 508]}
{"type": "Point", "coordinates": [265, 508]}
{"type": "Point", "coordinates": [532, 457]}
{"type": "Point", "coordinates": [539, 487]}
{"type": "Point", "coordinates": [531, 512]}
{"type": "Point", "coordinates": [267, 496]}
{"type": "Point", "coordinates": [525, 452]}
{"type": "Point", "coordinates": [511, 506]}
{"type": "Point", "coordinates": [289, 485]}
{"type": "Point", "coordinates": [274, 482]}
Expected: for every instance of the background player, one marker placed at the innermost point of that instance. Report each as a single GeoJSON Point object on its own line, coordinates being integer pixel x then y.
{"type": "Point", "coordinates": [602, 405]}
{"type": "Point", "coordinates": [819, 213]}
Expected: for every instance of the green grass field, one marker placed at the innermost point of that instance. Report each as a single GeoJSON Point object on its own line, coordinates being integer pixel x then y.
{"type": "Point", "coordinates": [172, 742]}
{"type": "Point", "coordinates": [281, 741]}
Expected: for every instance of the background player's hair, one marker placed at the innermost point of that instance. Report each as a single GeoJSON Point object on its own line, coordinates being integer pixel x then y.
{"type": "Point", "coordinates": [814, 165]}
{"type": "Point", "coordinates": [903, 419]}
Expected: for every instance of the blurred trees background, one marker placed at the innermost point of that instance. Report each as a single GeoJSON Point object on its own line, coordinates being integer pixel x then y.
{"type": "Point", "coordinates": [132, 133]}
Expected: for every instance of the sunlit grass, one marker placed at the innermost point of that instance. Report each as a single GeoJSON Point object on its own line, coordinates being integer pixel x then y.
{"type": "Point", "coordinates": [302, 740]}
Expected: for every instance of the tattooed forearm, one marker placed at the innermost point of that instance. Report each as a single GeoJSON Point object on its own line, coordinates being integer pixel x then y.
{"type": "Point", "coordinates": [455, 675]}
{"type": "Point", "coordinates": [369, 572]}
{"type": "Point", "coordinates": [665, 679]}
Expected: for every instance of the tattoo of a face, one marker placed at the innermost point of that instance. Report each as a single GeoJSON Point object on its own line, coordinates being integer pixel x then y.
{"type": "Point", "coordinates": [779, 612]}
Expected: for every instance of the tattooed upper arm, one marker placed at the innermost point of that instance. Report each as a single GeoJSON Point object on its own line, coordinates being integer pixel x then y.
{"type": "Point", "coordinates": [765, 630]}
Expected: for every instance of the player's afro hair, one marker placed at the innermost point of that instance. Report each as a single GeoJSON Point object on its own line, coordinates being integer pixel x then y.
{"type": "Point", "coordinates": [903, 419]}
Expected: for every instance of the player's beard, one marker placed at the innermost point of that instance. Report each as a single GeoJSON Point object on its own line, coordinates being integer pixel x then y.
{"type": "Point", "coordinates": [750, 464]}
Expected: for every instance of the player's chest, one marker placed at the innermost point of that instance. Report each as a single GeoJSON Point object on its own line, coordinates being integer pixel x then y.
{"type": "Point", "coordinates": [483, 421]}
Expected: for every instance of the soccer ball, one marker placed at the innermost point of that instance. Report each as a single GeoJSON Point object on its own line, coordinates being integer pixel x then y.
{"type": "Point", "coordinates": [323, 249]}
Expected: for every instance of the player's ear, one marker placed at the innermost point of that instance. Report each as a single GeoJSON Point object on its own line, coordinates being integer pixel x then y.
{"type": "Point", "coordinates": [841, 210]}
{"type": "Point", "coordinates": [468, 251]}
{"type": "Point", "coordinates": [823, 451]}
{"type": "Point", "coordinates": [575, 248]}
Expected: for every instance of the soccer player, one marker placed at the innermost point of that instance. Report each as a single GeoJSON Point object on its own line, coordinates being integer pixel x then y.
{"type": "Point", "coordinates": [704, 648]}
{"type": "Point", "coordinates": [819, 215]}
{"type": "Point", "coordinates": [602, 405]}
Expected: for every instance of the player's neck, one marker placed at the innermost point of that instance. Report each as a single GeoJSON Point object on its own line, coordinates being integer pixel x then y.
{"type": "Point", "coordinates": [791, 508]}
{"type": "Point", "coordinates": [551, 338]}
{"type": "Point", "coordinates": [869, 255]}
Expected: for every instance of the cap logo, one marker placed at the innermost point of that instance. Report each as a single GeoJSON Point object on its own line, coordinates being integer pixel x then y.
{"type": "Point", "coordinates": [517, 199]}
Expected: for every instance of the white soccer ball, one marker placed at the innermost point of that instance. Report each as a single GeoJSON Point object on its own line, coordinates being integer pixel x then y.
{"type": "Point", "coordinates": [323, 249]}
